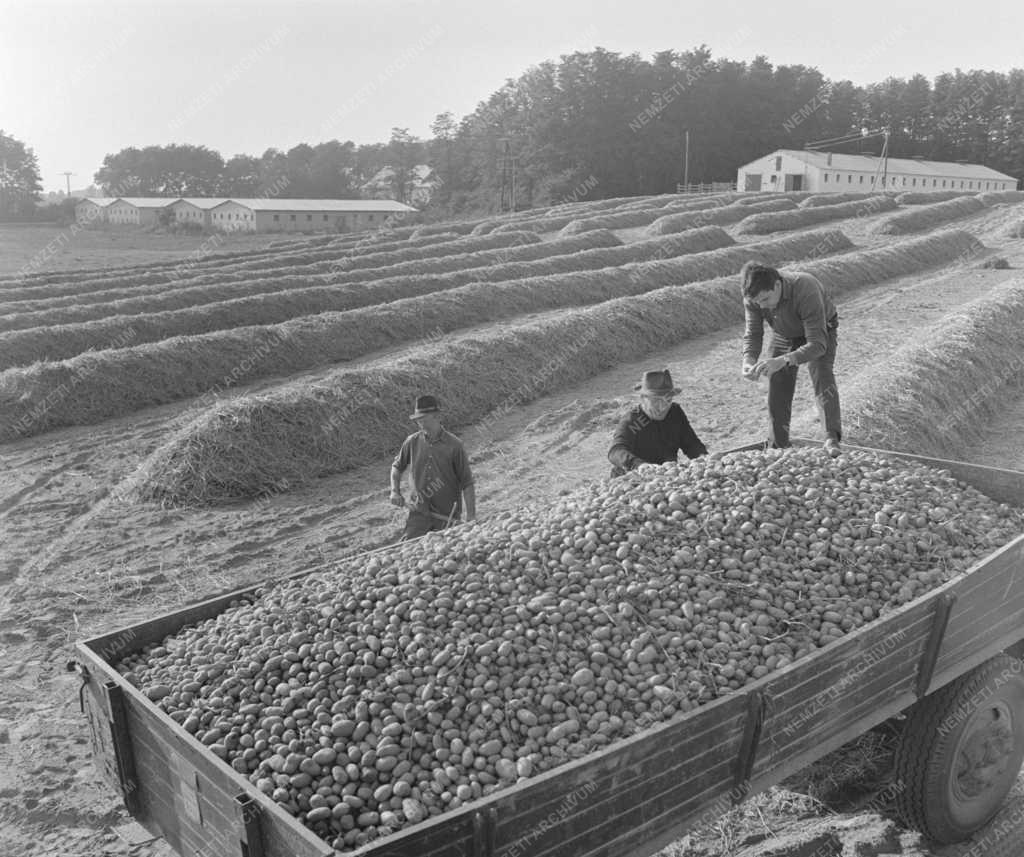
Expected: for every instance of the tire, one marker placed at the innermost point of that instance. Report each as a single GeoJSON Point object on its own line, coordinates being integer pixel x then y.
{"type": "Point", "coordinates": [960, 752]}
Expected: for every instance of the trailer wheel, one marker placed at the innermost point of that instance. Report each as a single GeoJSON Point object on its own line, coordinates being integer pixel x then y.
{"type": "Point", "coordinates": [961, 750]}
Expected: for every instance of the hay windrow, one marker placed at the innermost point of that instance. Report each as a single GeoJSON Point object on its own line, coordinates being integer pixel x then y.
{"type": "Point", "coordinates": [327, 290]}
{"type": "Point", "coordinates": [231, 284]}
{"type": "Point", "coordinates": [118, 381]}
{"type": "Point", "coordinates": [1014, 230]}
{"type": "Point", "coordinates": [173, 272]}
{"type": "Point", "coordinates": [102, 285]}
{"type": "Point", "coordinates": [643, 216]}
{"type": "Point", "coordinates": [927, 197]}
{"type": "Point", "coordinates": [720, 215]}
{"type": "Point", "coordinates": [761, 224]}
{"type": "Point", "coordinates": [928, 216]}
{"type": "Point", "coordinates": [211, 259]}
{"type": "Point", "coordinates": [820, 199]}
{"type": "Point", "coordinates": [934, 395]}
{"type": "Point", "coordinates": [246, 446]}
{"type": "Point", "coordinates": [340, 258]}
{"type": "Point", "coordinates": [995, 197]}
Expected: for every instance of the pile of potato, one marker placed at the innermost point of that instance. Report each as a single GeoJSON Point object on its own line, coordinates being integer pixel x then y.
{"type": "Point", "coordinates": [429, 675]}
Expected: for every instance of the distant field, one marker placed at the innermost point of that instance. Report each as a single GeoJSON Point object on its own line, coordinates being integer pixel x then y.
{"type": "Point", "coordinates": [51, 248]}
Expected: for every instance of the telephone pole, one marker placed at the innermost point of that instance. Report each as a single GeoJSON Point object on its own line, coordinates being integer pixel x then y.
{"type": "Point", "coordinates": [509, 165]}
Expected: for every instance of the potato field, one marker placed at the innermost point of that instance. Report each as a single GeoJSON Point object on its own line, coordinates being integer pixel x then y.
{"type": "Point", "coordinates": [169, 435]}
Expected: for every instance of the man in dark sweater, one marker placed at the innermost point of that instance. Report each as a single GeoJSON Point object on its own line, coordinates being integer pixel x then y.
{"type": "Point", "coordinates": [804, 321]}
{"type": "Point", "coordinates": [655, 430]}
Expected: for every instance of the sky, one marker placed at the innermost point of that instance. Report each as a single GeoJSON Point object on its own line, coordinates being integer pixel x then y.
{"type": "Point", "coordinates": [80, 79]}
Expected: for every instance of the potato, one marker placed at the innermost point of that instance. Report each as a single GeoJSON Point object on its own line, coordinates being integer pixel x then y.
{"type": "Point", "coordinates": [422, 678]}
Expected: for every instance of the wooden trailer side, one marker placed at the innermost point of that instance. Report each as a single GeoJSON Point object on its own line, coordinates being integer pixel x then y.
{"type": "Point", "coordinates": [638, 794]}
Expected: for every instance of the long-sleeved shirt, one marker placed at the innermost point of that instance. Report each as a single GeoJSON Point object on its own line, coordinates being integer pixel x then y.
{"type": "Point", "coordinates": [805, 310]}
{"type": "Point", "coordinates": [639, 438]}
{"type": "Point", "coordinates": [440, 473]}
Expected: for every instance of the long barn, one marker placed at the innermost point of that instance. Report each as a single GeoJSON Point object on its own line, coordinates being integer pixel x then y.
{"type": "Point", "coordinates": [822, 172]}
{"type": "Point", "coordinates": [247, 214]}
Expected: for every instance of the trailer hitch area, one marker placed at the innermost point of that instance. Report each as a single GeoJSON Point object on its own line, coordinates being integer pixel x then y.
{"type": "Point", "coordinates": [485, 828]}
{"type": "Point", "coordinates": [74, 666]}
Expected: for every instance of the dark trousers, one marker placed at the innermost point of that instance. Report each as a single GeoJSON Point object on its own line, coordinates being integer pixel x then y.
{"type": "Point", "coordinates": [419, 524]}
{"type": "Point", "coordinates": [782, 385]}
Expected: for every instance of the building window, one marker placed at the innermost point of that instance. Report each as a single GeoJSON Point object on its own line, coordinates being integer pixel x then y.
{"type": "Point", "coordinates": [961, 182]}
{"type": "Point", "coordinates": [935, 182]}
{"type": "Point", "coordinates": [291, 216]}
{"type": "Point", "coordinates": [849, 178]}
{"type": "Point", "coordinates": [943, 182]}
{"type": "Point", "coordinates": [325, 218]}
{"type": "Point", "coordinates": [309, 217]}
{"type": "Point", "coordinates": [371, 218]}
{"type": "Point", "coordinates": [904, 181]}
{"type": "Point", "coordinates": [826, 177]}
{"type": "Point", "coordinates": [861, 180]}
{"type": "Point", "coordinates": [913, 182]}
{"type": "Point", "coordinates": [778, 164]}
{"type": "Point", "coordinates": [277, 217]}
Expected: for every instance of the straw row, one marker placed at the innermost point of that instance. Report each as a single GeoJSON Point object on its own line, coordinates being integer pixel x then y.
{"type": "Point", "coordinates": [820, 199]}
{"type": "Point", "coordinates": [118, 381]}
{"type": "Point", "coordinates": [761, 224]}
{"type": "Point", "coordinates": [719, 215]}
{"type": "Point", "coordinates": [301, 287]}
{"type": "Point", "coordinates": [927, 197]}
{"type": "Point", "coordinates": [242, 447]}
{"type": "Point", "coordinates": [928, 216]}
{"type": "Point", "coordinates": [646, 216]}
{"type": "Point", "coordinates": [149, 271]}
{"type": "Point", "coordinates": [936, 393]}
{"type": "Point", "coordinates": [995, 197]}
{"type": "Point", "coordinates": [336, 258]}
{"type": "Point", "coordinates": [57, 342]}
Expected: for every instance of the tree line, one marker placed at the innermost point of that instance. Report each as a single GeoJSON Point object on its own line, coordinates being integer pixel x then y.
{"type": "Point", "coordinates": [601, 124]}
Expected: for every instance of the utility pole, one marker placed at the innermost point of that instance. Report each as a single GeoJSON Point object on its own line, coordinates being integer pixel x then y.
{"type": "Point", "coordinates": [68, 177]}
{"type": "Point", "coordinates": [686, 162]}
{"type": "Point", "coordinates": [509, 165]}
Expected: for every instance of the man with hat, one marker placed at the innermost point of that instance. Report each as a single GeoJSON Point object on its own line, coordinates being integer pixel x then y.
{"type": "Point", "coordinates": [655, 430]}
{"type": "Point", "coordinates": [441, 476]}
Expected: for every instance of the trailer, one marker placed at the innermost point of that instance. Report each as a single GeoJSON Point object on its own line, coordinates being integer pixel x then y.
{"type": "Point", "coordinates": [940, 659]}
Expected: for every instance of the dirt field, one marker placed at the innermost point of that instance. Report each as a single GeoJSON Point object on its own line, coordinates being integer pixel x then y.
{"type": "Point", "coordinates": [45, 247]}
{"type": "Point", "coordinates": [74, 562]}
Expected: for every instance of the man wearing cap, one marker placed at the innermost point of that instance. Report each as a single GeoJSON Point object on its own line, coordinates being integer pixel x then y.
{"type": "Point", "coordinates": [441, 476]}
{"type": "Point", "coordinates": [655, 430]}
{"type": "Point", "coordinates": [804, 321]}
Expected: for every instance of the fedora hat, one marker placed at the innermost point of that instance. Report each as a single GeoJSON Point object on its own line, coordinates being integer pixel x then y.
{"type": "Point", "coordinates": [657, 384]}
{"type": "Point", "coordinates": [425, 405]}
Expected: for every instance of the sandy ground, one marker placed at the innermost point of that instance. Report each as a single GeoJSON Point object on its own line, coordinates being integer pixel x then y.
{"type": "Point", "coordinates": [74, 562]}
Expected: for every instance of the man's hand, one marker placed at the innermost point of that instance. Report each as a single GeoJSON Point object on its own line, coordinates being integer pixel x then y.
{"type": "Point", "coordinates": [397, 499]}
{"type": "Point", "coordinates": [770, 366]}
{"type": "Point", "coordinates": [750, 371]}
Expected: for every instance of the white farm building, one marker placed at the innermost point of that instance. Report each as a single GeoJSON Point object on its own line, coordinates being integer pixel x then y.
{"type": "Point", "coordinates": [247, 215]}
{"type": "Point", "coordinates": [818, 172]}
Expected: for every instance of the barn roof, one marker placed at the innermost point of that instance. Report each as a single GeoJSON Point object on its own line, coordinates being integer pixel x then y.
{"type": "Point", "coordinates": [346, 205]}
{"type": "Point", "coordinates": [148, 201]}
{"type": "Point", "coordinates": [204, 202]}
{"type": "Point", "coordinates": [101, 201]}
{"type": "Point", "coordinates": [908, 166]}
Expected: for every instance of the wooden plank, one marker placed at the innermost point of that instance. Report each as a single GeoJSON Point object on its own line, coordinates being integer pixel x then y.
{"type": "Point", "coordinates": [991, 592]}
{"type": "Point", "coordinates": [642, 770]}
{"type": "Point", "coordinates": [151, 728]}
{"type": "Point", "coordinates": [651, 785]}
